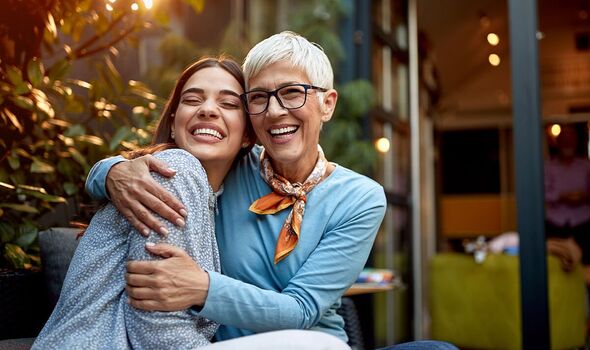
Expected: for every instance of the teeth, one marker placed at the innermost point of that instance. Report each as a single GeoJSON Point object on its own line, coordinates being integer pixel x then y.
{"type": "Point", "coordinates": [283, 130]}
{"type": "Point", "coordinates": [208, 132]}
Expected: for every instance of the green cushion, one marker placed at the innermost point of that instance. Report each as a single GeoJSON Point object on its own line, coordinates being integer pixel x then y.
{"type": "Point", "coordinates": [478, 305]}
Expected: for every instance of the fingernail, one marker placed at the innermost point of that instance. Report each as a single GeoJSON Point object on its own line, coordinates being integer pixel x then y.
{"type": "Point", "coordinates": [174, 170]}
{"type": "Point", "coordinates": [150, 244]}
{"type": "Point", "coordinates": [183, 212]}
{"type": "Point", "coordinates": [163, 231]}
{"type": "Point", "coordinates": [145, 232]}
{"type": "Point", "coordinates": [180, 222]}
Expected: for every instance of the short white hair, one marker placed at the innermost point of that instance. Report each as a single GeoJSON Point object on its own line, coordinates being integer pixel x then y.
{"type": "Point", "coordinates": [290, 46]}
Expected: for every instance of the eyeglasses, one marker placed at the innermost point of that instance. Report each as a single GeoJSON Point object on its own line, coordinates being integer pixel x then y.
{"type": "Point", "coordinates": [291, 96]}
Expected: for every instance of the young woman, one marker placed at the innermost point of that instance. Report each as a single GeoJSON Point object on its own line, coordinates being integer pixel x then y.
{"type": "Point", "coordinates": [201, 131]}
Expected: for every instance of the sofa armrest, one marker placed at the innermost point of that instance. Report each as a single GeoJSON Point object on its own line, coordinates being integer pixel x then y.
{"type": "Point", "coordinates": [57, 246]}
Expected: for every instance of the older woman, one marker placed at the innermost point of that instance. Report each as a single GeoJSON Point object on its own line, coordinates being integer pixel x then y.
{"type": "Point", "coordinates": [294, 230]}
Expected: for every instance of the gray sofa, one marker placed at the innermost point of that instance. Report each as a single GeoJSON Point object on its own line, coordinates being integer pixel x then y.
{"type": "Point", "coordinates": [57, 246]}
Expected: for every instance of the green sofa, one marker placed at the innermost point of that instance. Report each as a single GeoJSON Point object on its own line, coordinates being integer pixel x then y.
{"type": "Point", "coordinates": [477, 306]}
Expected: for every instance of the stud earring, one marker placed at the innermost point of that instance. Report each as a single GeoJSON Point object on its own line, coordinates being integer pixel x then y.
{"type": "Point", "coordinates": [245, 144]}
{"type": "Point", "coordinates": [172, 134]}
{"type": "Point", "coordinates": [171, 115]}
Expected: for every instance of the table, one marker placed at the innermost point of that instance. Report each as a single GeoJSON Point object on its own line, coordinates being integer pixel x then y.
{"type": "Point", "coordinates": [368, 288]}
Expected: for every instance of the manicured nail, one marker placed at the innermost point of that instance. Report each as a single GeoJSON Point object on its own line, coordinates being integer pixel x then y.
{"type": "Point", "coordinates": [183, 212]}
{"type": "Point", "coordinates": [145, 232]}
{"type": "Point", "coordinates": [164, 231]}
{"type": "Point", "coordinates": [150, 244]}
{"type": "Point", "coordinates": [180, 222]}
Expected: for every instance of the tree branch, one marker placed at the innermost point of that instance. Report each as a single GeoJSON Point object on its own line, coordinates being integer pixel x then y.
{"type": "Point", "coordinates": [113, 42]}
{"type": "Point", "coordinates": [79, 50]}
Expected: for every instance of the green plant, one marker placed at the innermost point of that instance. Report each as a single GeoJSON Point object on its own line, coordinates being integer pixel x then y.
{"type": "Point", "coordinates": [53, 125]}
{"type": "Point", "coordinates": [176, 53]}
{"type": "Point", "coordinates": [342, 139]}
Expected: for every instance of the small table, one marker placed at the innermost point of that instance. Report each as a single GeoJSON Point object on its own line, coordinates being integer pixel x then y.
{"type": "Point", "coordinates": [368, 288]}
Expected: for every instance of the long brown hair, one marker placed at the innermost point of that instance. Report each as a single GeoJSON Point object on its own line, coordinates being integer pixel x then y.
{"type": "Point", "coordinates": [162, 139]}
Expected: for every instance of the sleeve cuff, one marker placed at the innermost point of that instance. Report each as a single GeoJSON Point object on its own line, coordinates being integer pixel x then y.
{"type": "Point", "coordinates": [96, 181]}
{"type": "Point", "coordinates": [208, 308]}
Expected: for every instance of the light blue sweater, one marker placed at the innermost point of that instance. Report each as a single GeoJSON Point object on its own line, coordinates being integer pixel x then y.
{"type": "Point", "coordinates": [342, 216]}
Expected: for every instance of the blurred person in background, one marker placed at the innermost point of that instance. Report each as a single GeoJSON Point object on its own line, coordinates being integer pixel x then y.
{"type": "Point", "coordinates": [567, 193]}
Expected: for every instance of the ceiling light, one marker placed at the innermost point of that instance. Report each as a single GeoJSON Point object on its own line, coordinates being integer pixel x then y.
{"type": "Point", "coordinates": [382, 145]}
{"type": "Point", "coordinates": [555, 130]}
{"type": "Point", "coordinates": [494, 59]}
{"type": "Point", "coordinates": [493, 39]}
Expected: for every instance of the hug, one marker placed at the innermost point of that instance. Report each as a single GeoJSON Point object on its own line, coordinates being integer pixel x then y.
{"type": "Point", "coordinates": [243, 231]}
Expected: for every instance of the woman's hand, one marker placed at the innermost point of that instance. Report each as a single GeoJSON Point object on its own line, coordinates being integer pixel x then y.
{"type": "Point", "coordinates": [136, 194]}
{"type": "Point", "coordinates": [172, 284]}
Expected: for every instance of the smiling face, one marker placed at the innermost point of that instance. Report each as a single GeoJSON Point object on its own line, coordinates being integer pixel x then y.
{"type": "Point", "coordinates": [290, 136]}
{"type": "Point", "coordinates": [209, 121]}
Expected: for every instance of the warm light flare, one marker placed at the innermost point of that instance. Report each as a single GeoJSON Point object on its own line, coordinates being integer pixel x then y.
{"type": "Point", "coordinates": [494, 59]}
{"type": "Point", "coordinates": [134, 6]}
{"type": "Point", "coordinates": [555, 130]}
{"type": "Point", "coordinates": [109, 7]}
{"type": "Point", "coordinates": [493, 39]}
{"type": "Point", "coordinates": [148, 4]}
{"type": "Point", "coordinates": [382, 145]}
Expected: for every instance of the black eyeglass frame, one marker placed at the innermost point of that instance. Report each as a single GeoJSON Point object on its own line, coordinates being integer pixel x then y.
{"type": "Point", "coordinates": [274, 93]}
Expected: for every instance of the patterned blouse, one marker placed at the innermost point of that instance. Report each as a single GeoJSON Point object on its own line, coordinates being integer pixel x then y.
{"type": "Point", "coordinates": [93, 311]}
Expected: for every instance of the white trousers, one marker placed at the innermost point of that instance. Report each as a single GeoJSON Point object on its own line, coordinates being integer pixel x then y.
{"type": "Point", "coordinates": [291, 339]}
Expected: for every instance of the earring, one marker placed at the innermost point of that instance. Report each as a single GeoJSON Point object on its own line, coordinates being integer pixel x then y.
{"type": "Point", "coordinates": [245, 144]}
{"type": "Point", "coordinates": [172, 134]}
{"type": "Point", "coordinates": [171, 115]}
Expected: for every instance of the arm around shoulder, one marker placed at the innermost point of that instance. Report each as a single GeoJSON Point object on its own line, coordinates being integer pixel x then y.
{"type": "Point", "coordinates": [327, 273]}
{"type": "Point", "coordinates": [96, 180]}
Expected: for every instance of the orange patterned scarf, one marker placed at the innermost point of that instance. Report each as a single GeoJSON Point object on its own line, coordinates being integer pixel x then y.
{"type": "Point", "coordinates": [283, 196]}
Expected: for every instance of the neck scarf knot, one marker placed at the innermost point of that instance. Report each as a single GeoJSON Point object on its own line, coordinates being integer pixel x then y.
{"type": "Point", "coordinates": [284, 195]}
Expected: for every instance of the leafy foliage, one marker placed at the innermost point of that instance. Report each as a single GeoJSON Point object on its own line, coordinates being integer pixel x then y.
{"type": "Point", "coordinates": [343, 138]}
{"type": "Point", "coordinates": [176, 53]}
{"type": "Point", "coordinates": [53, 125]}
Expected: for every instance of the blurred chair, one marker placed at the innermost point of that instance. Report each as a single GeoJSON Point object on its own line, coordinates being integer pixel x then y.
{"type": "Point", "coordinates": [477, 306]}
{"type": "Point", "coordinates": [352, 324]}
{"type": "Point", "coordinates": [57, 246]}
